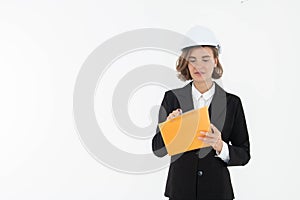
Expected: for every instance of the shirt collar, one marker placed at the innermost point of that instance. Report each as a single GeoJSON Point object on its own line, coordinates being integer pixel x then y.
{"type": "Point", "coordinates": [206, 95]}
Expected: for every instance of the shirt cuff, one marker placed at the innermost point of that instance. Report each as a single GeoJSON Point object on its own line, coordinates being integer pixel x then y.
{"type": "Point", "coordinates": [224, 154]}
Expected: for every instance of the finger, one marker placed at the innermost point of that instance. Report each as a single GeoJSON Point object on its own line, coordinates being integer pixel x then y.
{"type": "Point", "coordinates": [202, 133]}
{"type": "Point", "coordinates": [180, 111]}
{"type": "Point", "coordinates": [213, 135]}
{"type": "Point", "coordinates": [207, 140]}
{"type": "Point", "coordinates": [213, 128]}
{"type": "Point", "coordinates": [177, 111]}
{"type": "Point", "coordinates": [172, 115]}
{"type": "Point", "coordinates": [208, 134]}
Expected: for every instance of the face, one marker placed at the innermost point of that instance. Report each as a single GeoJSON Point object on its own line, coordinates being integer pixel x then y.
{"type": "Point", "coordinates": [201, 64]}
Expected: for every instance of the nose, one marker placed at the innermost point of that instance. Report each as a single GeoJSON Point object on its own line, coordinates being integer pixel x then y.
{"type": "Point", "coordinates": [197, 66]}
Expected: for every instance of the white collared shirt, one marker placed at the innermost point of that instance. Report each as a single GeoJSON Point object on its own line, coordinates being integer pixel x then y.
{"type": "Point", "coordinates": [205, 99]}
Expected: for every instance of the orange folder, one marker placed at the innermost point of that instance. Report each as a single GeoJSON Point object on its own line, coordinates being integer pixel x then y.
{"type": "Point", "coordinates": [180, 133]}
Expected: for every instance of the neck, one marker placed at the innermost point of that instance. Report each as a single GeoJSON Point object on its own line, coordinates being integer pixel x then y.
{"type": "Point", "coordinates": [203, 86]}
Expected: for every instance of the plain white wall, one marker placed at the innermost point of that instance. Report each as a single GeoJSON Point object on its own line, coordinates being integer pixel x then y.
{"type": "Point", "coordinates": [43, 45]}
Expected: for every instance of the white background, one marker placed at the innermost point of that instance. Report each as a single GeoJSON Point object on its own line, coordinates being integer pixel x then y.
{"type": "Point", "coordinates": [43, 45]}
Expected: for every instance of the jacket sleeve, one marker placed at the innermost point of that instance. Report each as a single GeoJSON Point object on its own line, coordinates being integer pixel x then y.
{"type": "Point", "coordinates": [158, 145]}
{"type": "Point", "coordinates": [239, 149]}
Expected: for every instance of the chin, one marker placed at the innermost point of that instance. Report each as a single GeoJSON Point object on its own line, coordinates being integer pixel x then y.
{"type": "Point", "coordinates": [200, 79]}
{"type": "Point", "coordinates": [197, 78]}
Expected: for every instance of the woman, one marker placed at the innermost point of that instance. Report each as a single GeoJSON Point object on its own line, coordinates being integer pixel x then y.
{"type": "Point", "coordinates": [203, 174]}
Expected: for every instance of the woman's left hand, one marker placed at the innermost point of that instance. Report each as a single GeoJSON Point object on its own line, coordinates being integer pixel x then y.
{"type": "Point", "coordinates": [212, 138]}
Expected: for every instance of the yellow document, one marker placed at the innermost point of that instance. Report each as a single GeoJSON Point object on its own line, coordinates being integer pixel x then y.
{"type": "Point", "coordinates": [180, 133]}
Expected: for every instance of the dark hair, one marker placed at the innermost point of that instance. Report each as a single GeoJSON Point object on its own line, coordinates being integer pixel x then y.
{"type": "Point", "coordinates": [182, 64]}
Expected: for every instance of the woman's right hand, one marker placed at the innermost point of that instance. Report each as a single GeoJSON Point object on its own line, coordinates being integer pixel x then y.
{"type": "Point", "coordinates": [175, 113]}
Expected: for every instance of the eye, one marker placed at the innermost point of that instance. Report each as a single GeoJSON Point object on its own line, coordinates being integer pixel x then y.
{"type": "Point", "coordinates": [192, 60]}
{"type": "Point", "coordinates": [205, 60]}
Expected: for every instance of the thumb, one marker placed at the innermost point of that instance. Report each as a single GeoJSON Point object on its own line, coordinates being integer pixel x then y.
{"type": "Point", "coordinates": [213, 128]}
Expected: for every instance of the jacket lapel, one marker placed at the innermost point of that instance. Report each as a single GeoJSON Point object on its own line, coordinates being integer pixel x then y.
{"type": "Point", "coordinates": [184, 97]}
{"type": "Point", "coordinates": [217, 108]}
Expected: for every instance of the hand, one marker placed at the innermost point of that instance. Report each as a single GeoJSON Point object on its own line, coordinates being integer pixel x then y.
{"type": "Point", "coordinates": [212, 138]}
{"type": "Point", "coordinates": [175, 113]}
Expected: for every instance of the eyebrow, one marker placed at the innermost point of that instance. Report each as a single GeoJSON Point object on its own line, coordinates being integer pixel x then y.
{"type": "Point", "coordinates": [207, 56]}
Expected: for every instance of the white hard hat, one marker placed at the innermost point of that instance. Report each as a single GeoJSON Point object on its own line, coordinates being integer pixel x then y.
{"type": "Point", "coordinates": [199, 35]}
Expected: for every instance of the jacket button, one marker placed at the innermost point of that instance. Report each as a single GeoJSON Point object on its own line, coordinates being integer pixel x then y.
{"type": "Point", "coordinates": [200, 173]}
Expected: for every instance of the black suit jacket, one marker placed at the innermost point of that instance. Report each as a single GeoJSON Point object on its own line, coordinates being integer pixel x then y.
{"type": "Point", "coordinates": [200, 174]}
